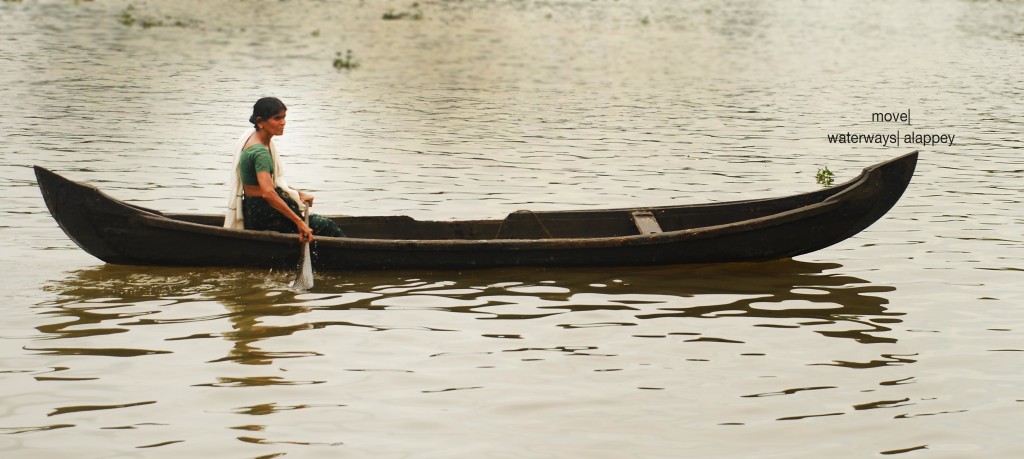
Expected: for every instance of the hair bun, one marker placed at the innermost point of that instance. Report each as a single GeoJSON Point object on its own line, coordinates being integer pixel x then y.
{"type": "Point", "coordinates": [266, 108]}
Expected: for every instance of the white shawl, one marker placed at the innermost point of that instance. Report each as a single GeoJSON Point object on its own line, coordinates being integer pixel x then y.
{"type": "Point", "coordinates": [234, 217]}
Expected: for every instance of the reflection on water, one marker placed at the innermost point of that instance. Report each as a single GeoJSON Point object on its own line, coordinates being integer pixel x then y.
{"type": "Point", "coordinates": [389, 349]}
{"type": "Point", "coordinates": [788, 294]}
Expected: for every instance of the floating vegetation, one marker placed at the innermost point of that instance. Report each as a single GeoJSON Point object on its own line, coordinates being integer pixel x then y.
{"type": "Point", "coordinates": [127, 18]}
{"type": "Point", "coordinates": [345, 63]}
{"type": "Point", "coordinates": [645, 21]}
{"type": "Point", "coordinates": [825, 177]}
{"type": "Point", "coordinates": [315, 33]}
{"type": "Point", "coordinates": [415, 14]}
{"type": "Point", "coordinates": [146, 23]}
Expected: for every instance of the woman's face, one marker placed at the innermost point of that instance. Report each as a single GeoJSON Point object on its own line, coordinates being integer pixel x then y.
{"type": "Point", "coordinates": [275, 125]}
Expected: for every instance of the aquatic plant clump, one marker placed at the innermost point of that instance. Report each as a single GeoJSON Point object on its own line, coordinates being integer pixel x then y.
{"type": "Point", "coordinates": [415, 14]}
{"type": "Point", "coordinates": [127, 18]}
{"type": "Point", "coordinates": [346, 62]}
{"type": "Point", "coordinates": [825, 177]}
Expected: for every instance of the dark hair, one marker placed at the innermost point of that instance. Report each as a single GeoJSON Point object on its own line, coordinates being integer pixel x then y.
{"type": "Point", "coordinates": [266, 108]}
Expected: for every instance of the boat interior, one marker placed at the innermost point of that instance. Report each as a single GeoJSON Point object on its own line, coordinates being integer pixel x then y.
{"type": "Point", "coordinates": [525, 224]}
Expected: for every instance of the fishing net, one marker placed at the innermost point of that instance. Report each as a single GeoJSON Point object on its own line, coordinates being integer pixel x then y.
{"type": "Point", "coordinates": [304, 279]}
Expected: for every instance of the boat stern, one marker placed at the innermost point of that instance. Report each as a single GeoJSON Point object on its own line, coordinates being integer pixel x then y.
{"type": "Point", "coordinates": [83, 212]}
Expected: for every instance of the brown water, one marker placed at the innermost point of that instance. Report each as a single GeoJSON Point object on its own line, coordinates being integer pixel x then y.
{"type": "Point", "coordinates": [903, 341]}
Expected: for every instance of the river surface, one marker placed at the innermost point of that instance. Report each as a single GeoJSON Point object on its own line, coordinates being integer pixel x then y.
{"type": "Point", "coordinates": [903, 341]}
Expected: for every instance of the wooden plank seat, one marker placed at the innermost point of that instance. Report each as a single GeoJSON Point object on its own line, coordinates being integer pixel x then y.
{"type": "Point", "coordinates": [646, 222]}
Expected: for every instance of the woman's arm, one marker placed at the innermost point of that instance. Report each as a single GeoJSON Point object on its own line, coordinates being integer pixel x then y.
{"type": "Point", "coordinates": [275, 201]}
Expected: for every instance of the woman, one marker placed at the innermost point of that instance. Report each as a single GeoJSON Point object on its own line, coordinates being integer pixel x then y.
{"type": "Point", "coordinates": [260, 198]}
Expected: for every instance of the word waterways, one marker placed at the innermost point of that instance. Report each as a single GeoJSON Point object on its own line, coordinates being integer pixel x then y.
{"type": "Point", "coordinates": [913, 138]}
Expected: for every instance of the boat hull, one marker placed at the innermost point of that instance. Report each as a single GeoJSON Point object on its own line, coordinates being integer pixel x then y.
{"type": "Point", "coordinates": [740, 231]}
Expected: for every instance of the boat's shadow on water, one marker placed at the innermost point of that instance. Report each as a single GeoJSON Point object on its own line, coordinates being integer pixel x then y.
{"type": "Point", "coordinates": [781, 294]}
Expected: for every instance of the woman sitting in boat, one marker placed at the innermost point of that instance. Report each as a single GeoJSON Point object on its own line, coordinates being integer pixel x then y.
{"type": "Point", "coordinates": [260, 198]}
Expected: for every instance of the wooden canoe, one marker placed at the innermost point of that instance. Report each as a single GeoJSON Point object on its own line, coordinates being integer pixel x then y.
{"type": "Point", "coordinates": [753, 230]}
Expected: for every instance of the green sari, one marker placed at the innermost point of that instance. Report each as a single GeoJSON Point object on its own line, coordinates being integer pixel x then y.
{"type": "Point", "coordinates": [260, 216]}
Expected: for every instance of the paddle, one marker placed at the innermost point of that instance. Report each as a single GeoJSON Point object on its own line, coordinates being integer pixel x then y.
{"type": "Point", "coordinates": [304, 278]}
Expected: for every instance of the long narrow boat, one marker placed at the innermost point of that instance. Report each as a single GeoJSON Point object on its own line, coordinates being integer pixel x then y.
{"type": "Point", "coordinates": [753, 230]}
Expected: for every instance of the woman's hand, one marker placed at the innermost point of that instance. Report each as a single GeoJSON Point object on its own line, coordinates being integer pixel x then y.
{"type": "Point", "coordinates": [305, 232]}
{"type": "Point", "coordinates": [306, 198]}
{"type": "Point", "coordinates": [275, 201]}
